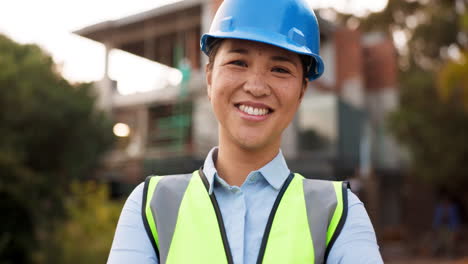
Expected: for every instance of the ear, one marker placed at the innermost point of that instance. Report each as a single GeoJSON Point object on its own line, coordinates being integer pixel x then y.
{"type": "Point", "coordinates": [208, 74]}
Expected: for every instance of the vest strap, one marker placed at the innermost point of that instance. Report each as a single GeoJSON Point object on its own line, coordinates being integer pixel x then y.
{"type": "Point", "coordinates": [219, 216]}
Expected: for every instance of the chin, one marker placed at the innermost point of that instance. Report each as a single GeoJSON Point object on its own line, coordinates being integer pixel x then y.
{"type": "Point", "coordinates": [253, 144]}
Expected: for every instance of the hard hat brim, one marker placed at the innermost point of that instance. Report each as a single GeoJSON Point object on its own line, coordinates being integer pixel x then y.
{"type": "Point", "coordinates": [270, 38]}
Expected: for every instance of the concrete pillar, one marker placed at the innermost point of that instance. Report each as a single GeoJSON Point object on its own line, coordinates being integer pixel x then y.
{"type": "Point", "coordinates": [139, 132]}
{"type": "Point", "coordinates": [149, 48]}
{"type": "Point", "coordinates": [143, 126]}
{"type": "Point", "coordinates": [105, 89]}
{"type": "Point", "coordinates": [289, 140]}
{"type": "Point", "coordinates": [205, 135]}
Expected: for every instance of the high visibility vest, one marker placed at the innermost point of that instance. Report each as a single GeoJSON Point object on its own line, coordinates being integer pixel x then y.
{"type": "Point", "coordinates": [185, 225]}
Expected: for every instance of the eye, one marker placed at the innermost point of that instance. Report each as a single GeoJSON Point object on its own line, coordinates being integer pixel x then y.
{"type": "Point", "coordinates": [238, 63]}
{"type": "Point", "coordinates": [280, 70]}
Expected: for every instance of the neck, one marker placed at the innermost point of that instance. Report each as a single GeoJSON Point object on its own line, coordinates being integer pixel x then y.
{"type": "Point", "coordinates": [234, 163]}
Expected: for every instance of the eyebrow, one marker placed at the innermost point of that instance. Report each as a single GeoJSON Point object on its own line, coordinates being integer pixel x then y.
{"type": "Point", "coordinates": [283, 58]}
{"type": "Point", "coordinates": [240, 51]}
{"type": "Point", "coordinates": [274, 58]}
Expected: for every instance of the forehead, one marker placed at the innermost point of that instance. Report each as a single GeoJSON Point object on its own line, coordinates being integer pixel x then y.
{"type": "Point", "coordinates": [254, 46]}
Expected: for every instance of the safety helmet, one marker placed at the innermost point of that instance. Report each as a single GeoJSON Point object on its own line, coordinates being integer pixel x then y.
{"type": "Point", "coordinates": [288, 24]}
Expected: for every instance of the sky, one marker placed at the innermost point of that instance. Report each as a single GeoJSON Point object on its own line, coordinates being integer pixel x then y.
{"type": "Point", "coordinates": [50, 23]}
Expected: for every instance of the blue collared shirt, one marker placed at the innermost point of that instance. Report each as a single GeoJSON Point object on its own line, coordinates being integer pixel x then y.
{"type": "Point", "coordinates": [245, 212]}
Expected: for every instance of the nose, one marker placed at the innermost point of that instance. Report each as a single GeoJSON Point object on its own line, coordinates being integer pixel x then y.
{"type": "Point", "coordinates": [257, 85]}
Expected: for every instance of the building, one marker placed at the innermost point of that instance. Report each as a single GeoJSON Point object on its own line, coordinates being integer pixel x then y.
{"type": "Point", "coordinates": [339, 131]}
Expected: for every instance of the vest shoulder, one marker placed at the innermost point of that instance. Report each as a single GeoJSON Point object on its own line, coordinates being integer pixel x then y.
{"type": "Point", "coordinates": [319, 180]}
{"type": "Point", "coordinates": [308, 180]}
{"type": "Point", "coordinates": [170, 176]}
{"type": "Point", "coordinates": [168, 181]}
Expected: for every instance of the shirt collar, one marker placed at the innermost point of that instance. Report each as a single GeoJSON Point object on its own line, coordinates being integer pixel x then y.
{"type": "Point", "coordinates": [275, 172]}
{"type": "Point", "coordinates": [209, 168]}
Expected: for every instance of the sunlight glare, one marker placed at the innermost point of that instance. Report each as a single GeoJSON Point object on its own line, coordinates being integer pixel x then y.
{"type": "Point", "coordinates": [358, 8]}
{"type": "Point", "coordinates": [135, 74]}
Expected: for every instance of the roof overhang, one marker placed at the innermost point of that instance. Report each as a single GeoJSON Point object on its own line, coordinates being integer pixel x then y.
{"type": "Point", "coordinates": [104, 31]}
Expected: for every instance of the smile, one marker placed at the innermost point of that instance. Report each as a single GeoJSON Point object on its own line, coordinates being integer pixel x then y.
{"type": "Point", "coordinates": [253, 110]}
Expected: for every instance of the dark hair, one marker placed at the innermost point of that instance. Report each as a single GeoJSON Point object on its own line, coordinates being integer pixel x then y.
{"type": "Point", "coordinates": [214, 45]}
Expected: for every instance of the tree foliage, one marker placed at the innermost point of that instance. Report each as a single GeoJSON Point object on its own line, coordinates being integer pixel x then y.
{"type": "Point", "coordinates": [434, 131]}
{"type": "Point", "coordinates": [453, 82]}
{"type": "Point", "coordinates": [50, 133]}
{"type": "Point", "coordinates": [86, 234]}
{"type": "Point", "coordinates": [432, 121]}
{"type": "Point", "coordinates": [430, 27]}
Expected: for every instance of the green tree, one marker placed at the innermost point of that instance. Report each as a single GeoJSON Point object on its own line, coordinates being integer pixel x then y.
{"type": "Point", "coordinates": [428, 28]}
{"type": "Point", "coordinates": [86, 234]}
{"type": "Point", "coordinates": [432, 121]}
{"type": "Point", "coordinates": [50, 133]}
{"type": "Point", "coordinates": [434, 130]}
{"type": "Point", "coordinates": [453, 82]}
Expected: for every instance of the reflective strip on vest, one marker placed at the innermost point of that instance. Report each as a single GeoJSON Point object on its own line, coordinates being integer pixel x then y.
{"type": "Point", "coordinates": [321, 202]}
{"type": "Point", "coordinates": [305, 220]}
{"type": "Point", "coordinates": [148, 219]}
{"type": "Point", "coordinates": [168, 198]}
{"type": "Point", "coordinates": [338, 211]}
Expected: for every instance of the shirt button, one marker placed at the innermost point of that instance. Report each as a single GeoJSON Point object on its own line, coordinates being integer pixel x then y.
{"type": "Point", "coordinates": [235, 189]}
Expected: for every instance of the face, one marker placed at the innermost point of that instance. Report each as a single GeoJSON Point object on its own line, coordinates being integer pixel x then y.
{"type": "Point", "coordinates": [255, 90]}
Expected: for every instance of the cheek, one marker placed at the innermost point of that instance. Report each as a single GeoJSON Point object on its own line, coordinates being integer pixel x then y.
{"type": "Point", "coordinates": [288, 91]}
{"type": "Point", "coordinates": [224, 83]}
{"type": "Point", "coordinates": [288, 96]}
{"type": "Point", "coordinates": [221, 92]}
{"type": "Point", "coordinates": [229, 76]}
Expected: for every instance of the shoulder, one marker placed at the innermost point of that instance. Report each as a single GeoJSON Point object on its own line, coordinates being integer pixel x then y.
{"type": "Point", "coordinates": [357, 214]}
{"type": "Point", "coordinates": [353, 200]}
{"type": "Point", "coordinates": [134, 200]}
{"type": "Point", "coordinates": [131, 243]}
{"type": "Point", "coordinates": [357, 242]}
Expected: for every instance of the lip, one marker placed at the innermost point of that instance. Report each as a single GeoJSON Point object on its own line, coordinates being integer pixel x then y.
{"type": "Point", "coordinates": [255, 105]}
{"type": "Point", "coordinates": [256, 118]}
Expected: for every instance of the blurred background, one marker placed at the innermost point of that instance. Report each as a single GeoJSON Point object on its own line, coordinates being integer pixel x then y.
{"type": "Point", "coordinates": [95, 96]}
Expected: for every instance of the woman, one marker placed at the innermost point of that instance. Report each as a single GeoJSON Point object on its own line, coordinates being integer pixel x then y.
{"type": "Point", "coordinates": [244, 205]}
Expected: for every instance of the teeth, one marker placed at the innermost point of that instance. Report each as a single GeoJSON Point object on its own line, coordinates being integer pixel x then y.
{"type": "Point", "coordinates": [253, 111]}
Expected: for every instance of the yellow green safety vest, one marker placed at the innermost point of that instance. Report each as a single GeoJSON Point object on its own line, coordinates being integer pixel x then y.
{"type": "Point", "coordinates": [185, 225]}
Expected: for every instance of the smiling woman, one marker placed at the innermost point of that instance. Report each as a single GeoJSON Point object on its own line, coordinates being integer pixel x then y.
{"type": "Point", "coordinates": [244, 205]}
{"type": "Point", "coordinates": [255, 90]}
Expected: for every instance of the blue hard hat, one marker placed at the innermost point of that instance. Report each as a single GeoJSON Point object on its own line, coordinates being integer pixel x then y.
{"type": "Point", "coordinates": [288, 24]}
